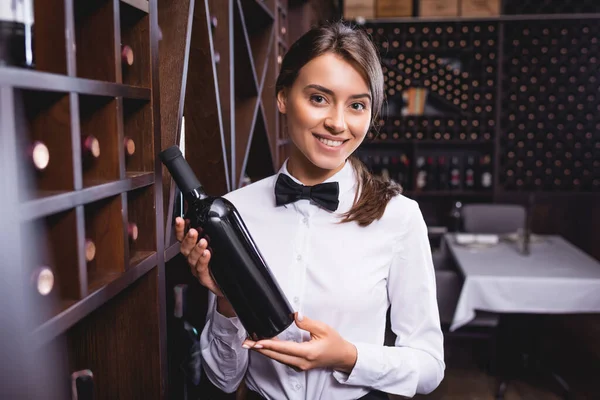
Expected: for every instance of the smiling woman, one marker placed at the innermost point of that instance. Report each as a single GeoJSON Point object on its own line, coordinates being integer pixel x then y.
{"type": "Point", "coordinates": [343, 245]}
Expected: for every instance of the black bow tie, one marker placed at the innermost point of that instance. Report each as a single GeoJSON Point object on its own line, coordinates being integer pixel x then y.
{"type": "Point", "coordinates": [324, 194]}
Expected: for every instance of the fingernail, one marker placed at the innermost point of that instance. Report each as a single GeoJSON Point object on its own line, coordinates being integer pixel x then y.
{"type": "Point", "coordinates": [192, 232]}
{"type": "Point", "coordinates": [258, 346]}
{"type": "Point", "coordinates": [205, 253]}
{"type": "Point", "coordinates": [300, 316]}
{"type": "Point", "coordinates": [245, 346]}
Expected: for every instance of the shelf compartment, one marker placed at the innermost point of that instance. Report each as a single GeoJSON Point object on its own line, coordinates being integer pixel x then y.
{"type": "Point", "coordinates": [50, 51]}
{"type": "Point", "coordinates": [54, 281]}
{"type": "Point", "coordinates": [78, 311]}
{"type": "Point", "coordinates": [104, 227]}
{"type": "Point", "coordinates": [99, 140]}
{"type": "Point", "coordinates": [141, 220]}
{"type": "Point", "coordinates": [44, 140]}
{"type": "Point", "coordinates": [135, 34]}
{"type": "Point", "coordinates": [95, 39]}
{"type": "Point", "coordinates": [138, 143]}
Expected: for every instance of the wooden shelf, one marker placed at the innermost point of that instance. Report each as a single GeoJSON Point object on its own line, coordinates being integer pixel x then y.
{"type": "Point", "coordinates": [426, 142]}
{"type": "Point", "coordinates": [448, 193]}
{"type": "Point", "coordinates": [76, 311]}
{"type": "Point", "coordinates": [53, 204]}
{"type": "Point", "coordinates": [75, 210]}
{"type": "Point", "coordinates": [36, 80]}
{"type": "Point", "coordinates": [499, 18]}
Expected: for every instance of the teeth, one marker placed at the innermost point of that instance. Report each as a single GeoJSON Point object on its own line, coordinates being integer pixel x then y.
{"type": "Point", "coordinates": [331, 143]}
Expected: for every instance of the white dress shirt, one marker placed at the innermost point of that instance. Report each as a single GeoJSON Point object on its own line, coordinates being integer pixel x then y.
{"type": "Point", "coordinates": [346, 276]}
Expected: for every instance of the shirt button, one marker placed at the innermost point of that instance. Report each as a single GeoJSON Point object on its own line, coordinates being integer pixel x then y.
{"type": "Point", "coordinates": [305, 220]}
{"type": "Point", "coordinates": [296, 299]}
{"type": "Point", "coordinates": [298, 386]}
{"type": "Point", "coordinates": [299, 257]}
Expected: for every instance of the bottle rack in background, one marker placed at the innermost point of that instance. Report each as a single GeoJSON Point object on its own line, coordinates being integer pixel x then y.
{"type": "Point", "coordinates": [551, 106]}
{"type": "Point", "coordinates": [433, 170]}
{"type": "Point", "coordinates": [550, 7]}
{"type": "Point", "coordinates": [440, 80]}
{"type": "Point", "coordinates": [523, 91]}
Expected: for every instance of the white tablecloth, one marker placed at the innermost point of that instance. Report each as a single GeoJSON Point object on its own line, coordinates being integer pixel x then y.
{"type": "Point", "coordinates": [556, 278]}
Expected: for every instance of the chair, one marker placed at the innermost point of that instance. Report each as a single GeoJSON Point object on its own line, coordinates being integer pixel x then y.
{"type": "Point", "coordinates": [493, 218]}
{"type": "Point", "coordinates": [476, 218]}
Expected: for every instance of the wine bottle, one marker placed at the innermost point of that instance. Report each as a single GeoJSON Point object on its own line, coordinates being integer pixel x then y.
{"type": "Point", "coordinates": [90, 250]}
{"type": "Point", "coordinates": [469, 178]}
{"type": "Point", "coordinates": [39, 154]}
{"type": "Point", "coordinates": [431, 174]}
{"type": "Point", "coordinates": [236, 265]}
{"type": "Point", "coordinates": [127, 55]}
{"type": "Point", "coordinates": [16, 33]}
{"type": "Point", "coordinates": [442, 172]}
{"type": "Point", "coordinates": [129, 146]}
{"type": "Point", "coordinates": [132, 231]}
{"type": "Point", "coordinates": [421, 177]}
{"type": "Point", "coordinates": [454, 173]}
{"type": "Point", "coordinates": [43, 279]}
{"type": "Point", "coordinates": [90, 147]}
{"type": "Point", "coordinates": [485, 172]}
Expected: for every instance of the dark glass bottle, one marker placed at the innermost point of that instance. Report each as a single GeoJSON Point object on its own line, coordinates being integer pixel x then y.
{"type": "Point", "coordinates": [236, 265]}
{"type": "Point", "coordinates": [16, 33]}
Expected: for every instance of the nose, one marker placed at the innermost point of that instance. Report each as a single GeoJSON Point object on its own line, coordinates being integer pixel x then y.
{"type": "Point", "coordinates": [335, 121]}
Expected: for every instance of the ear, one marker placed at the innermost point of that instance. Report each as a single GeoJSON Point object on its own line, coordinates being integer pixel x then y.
{"type": "Point", "coordinates": [281, 100]}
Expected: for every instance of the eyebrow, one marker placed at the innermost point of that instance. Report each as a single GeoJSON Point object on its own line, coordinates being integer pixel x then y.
{"type": "Point", "coordinates": [330, 92]}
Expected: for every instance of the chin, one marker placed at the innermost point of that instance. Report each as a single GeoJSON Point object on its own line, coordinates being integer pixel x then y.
{"type": "Point", "coordinates": [327, 162]}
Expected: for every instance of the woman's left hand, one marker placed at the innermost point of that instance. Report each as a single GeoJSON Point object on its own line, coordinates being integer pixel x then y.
{"type": "Point", "coordinates": [326, 348]}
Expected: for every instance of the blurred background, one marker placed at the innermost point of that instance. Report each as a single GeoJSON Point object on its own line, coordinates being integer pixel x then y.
{"type": "Point", "coordinates": [491, 123]}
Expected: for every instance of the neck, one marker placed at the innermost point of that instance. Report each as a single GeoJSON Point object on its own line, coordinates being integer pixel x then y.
{"type": "Point", "coordinates": [306, 172]}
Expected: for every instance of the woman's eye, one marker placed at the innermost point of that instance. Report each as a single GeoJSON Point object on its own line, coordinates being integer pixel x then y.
{"type": "Point", "coordinates": [317, 99]}
{"type": "Point", "coordinates": [358, 106]}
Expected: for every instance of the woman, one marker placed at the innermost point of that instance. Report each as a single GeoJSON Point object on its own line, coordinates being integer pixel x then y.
{"type": "Point", "coordinates": [341, 261]}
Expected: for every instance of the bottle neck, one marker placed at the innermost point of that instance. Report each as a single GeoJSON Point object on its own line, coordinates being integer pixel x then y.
{"type": "Point", "coordinates": [195, 194]}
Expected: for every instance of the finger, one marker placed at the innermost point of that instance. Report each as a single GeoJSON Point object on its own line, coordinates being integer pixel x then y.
{"type": "Point", "coordinates": [315, 327]}
{"type": "Point", "coordinates": [179, 228]}
{"type": "Point", "coordinates": [188, 243]}
{"type": "Point", "coordinates": [300, 350]}
{"type": "Point", "coordinates": [197, 252]}
{"type": "Point", "coordinates": [299, 364]}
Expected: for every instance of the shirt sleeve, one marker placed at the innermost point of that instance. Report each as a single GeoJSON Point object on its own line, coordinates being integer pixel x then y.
{"type": "Point", "coordinates": [415, 365]}
{"type": "Point", "coordinates": [224, 359]}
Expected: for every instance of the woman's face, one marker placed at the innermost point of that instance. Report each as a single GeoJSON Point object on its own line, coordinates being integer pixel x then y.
{"type": "Point", "coordinates": [328, 111]}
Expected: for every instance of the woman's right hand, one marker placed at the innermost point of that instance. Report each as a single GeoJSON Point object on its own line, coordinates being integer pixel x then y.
{"type": "Point", "coordinates": [198, 256]}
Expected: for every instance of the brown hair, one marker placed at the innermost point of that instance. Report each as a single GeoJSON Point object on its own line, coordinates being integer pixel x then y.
{"type": "Point", "coordinates": [355, 47]}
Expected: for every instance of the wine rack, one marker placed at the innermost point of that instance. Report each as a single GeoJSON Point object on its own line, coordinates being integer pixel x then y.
{"type": "Point", "coordinates": [80, 139]}
{"type": "Point", "coordinates": [550, 7]}
{"type": "Point", "coordinates": [550, 120]}
{"type": "Point", "coordinates": [440, 81]}
{"type": "Point", "coordinates": [522, 91]}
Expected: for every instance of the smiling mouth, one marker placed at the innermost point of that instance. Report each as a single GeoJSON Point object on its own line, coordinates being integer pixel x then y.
{"type": "Point", "coordinates": [329, 142]}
